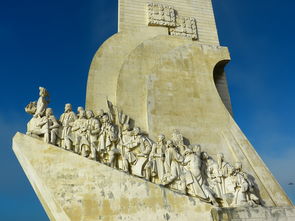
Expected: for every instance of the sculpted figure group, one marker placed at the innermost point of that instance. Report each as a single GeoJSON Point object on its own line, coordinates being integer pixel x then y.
{"type": "Point", "coordinates": [109, 139]}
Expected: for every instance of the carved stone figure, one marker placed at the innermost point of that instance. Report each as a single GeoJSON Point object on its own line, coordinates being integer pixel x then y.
{"type": "Point", "coordinates": [194, 178]}
{"type": "Point", "coordinates": [124, 137]}
{"type": "Point", "coordinates": [128, 144]}
{"type": "Point", "coordinates": [106, 135]}
{"type": "Point", "coordinates": [223, 171]}
{"type": "Point", "coordinates": [42, 102]}
{"type": "Point", "coordinates": [172, 167]}
{"type": "Point", "coordinates": [244, 195]}
{"type": "Point", "coordinates": [136, 149]}
{"type": "Point", "coordinates": [142, 166]}
{"type": "Point", "coordinates": [33, 128]}
{"type": "Point", "coordinates": [156, 158]}
{"type": "Point", "coordinates": [79, 110]}
{"type": "Point", "coordinates": [37, 109]}
{"type": "Point", "coordinates": [46, 127]}
{"type": "Point", "coordinates": [210, 170]}
{"type": "Point", "coordinates": [51, 127]}
{"type": "Point", "coordinates": [106, 140]}
{"type": "Point", "coordinates": [145, 146]}
{"type": "Point", "coordinates": [80, 126]}
{"type": "Point", "coordinates": [93, 130]}
{"type": "Point", "coordinates": [178, 141]}
{"type": "Point", "coordinates": [99, 115]}
{"type": "Point", "coordinates": [67, 120]}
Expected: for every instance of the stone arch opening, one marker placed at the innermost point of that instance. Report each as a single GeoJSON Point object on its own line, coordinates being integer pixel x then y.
{"type": "Point", "coordinates": [220, 81]}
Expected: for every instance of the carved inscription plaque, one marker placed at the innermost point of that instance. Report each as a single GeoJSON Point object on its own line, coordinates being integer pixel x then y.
{"type": "Point", "coordinates": [186, 27]}
{"type": "Point", "coordinates": [161, 15]}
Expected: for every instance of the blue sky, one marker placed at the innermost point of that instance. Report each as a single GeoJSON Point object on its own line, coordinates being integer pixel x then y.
{"type": "Point", "coordinates": [51, 44]}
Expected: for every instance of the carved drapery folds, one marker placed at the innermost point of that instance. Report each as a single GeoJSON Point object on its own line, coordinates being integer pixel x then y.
{"type": "Point", "coordinates": [108, 138]}
{"type": "Point", "coordinates": [167, 16]}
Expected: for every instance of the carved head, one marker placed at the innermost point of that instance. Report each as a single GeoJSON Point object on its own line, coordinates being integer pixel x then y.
{"type": "Point", "coordinates": [220, 157]}
{"type": "Point", "coordinates": [204, 156]}
{"type": "Point", "coordinates": [197, 149]}
{"type": "Point", "coordinates": [170, 144]}
{"type": "Point", "coordinates": [100, 113]}
{"type": "Point", "coordinates": [79, 109]}
{"type": "Point", "coordinates": [238, 166]}
{"type": "Point", "coordinates": [177, 137]}
{"type": "Point", "coordinates": [231, 170]}
{"type": "Point", "coordinates": [161, 138]}
{"type": "Point", "coordinates": [43, 92]}
{"type": "Point", "coordinates": [82, 114]}
{"type": "Point", "coordinates": [105, 118]}
{"type": "Point", "coordinates": [125, 127]}
{"type": "Point", "coordinates": [49, 112]}
{"type": "Point", "coordinates": [187, 152]}
{"type": "Point", "coordinates": [89, 114]}
{"type": "Point", "coordinates": [136, 131]}
{"type": "Point", "coordinates": [68, 107]}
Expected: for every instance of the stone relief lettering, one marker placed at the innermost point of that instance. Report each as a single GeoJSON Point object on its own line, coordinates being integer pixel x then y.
{"type": "Point", "coordinates": [108, 137]}
{"type": "Point", "coordinates": [185, 27]}
{"type": "Point", "coordinates": [162, 15]}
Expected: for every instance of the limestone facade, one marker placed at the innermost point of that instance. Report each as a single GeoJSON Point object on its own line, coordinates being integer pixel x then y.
{"type": "Point", "coordinates": [112, 138]}
{"type": "Point", "coordinates": [165, 70]}
{"type": "Point", "coordinates": [166, 82]}
{"type": "Point", "coordinates": [73, 188]}
{"type": "Point", "coordinates": [133, 15]}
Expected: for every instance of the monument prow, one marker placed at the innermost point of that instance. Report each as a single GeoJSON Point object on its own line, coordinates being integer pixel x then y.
{"type": "Point", "coordinates": [157, 140]}
{"type": "Point", "coordinates": [71, 187]}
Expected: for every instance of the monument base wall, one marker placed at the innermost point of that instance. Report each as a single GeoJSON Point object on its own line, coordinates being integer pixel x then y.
{"type": "Point", "coordinates": [254, 214]}
{"type": "Point", "coordinates": [71, 188]}
{"type": "Point", "coordinates": [74, 188]}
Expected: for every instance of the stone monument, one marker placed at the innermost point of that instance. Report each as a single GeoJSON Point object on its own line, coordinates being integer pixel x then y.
{"type": "Point", "coordinates": [156, 140]}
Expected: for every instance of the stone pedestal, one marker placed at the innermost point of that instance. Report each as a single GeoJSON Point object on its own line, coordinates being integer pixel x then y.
{"type": "Point", "coordinates": [74, 188]}
{"type": "Point", "coordinates": [254, 214]}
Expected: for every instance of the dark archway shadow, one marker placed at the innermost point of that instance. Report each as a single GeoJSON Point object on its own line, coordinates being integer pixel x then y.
{"type": "Point", "coordinates": [220, 81]}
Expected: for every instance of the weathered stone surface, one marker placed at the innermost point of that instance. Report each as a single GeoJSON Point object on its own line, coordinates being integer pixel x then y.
{"type": "Point", "coordinates": [254, 214]}
{"type": "Point", "coordinates": [74, 188]}
{"type": "Point", "coordinates": [167, 82]}
{"type": "Point", "coordinates": [107, 62]}
{"type": "Point", "coordinates": [163, 83]}
{"type": "Point", "coordinates": [133, 15]}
